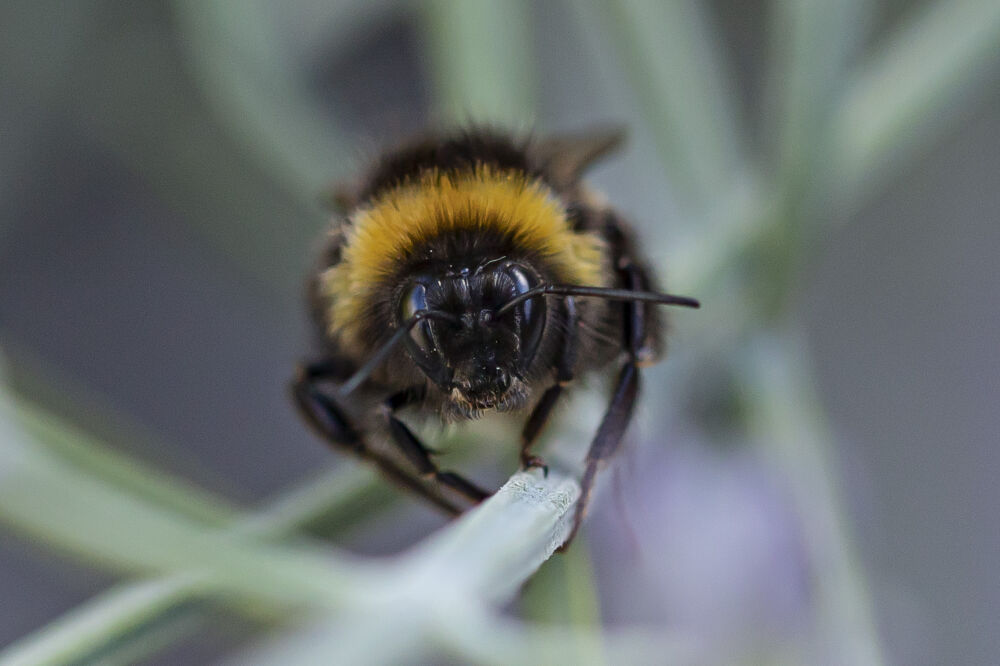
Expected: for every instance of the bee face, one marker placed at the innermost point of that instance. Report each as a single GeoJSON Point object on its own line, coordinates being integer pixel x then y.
{"type": "Point", "coordinates": [476, 355]}
{"type": "Point", "coordinates": [502, 278]}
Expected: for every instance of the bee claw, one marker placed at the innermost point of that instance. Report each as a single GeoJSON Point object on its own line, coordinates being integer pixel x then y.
{"type": "Point", "coordinates": [530, 462]}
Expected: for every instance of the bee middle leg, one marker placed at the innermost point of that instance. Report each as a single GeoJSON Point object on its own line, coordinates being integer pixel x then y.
{"type": "Point", "coordinates": [564, 375]}
{"type": "Point", "coordinates": [328, 419]}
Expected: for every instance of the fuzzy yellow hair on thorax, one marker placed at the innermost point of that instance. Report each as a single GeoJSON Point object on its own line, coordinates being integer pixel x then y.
{"type": "Point", "coordinates": [398, 221]}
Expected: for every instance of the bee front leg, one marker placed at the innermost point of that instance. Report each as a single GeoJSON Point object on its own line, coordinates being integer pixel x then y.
{"type": "Point", "coordinates": [564, 375]}
{"type": "Point", "coordinates": [420, 455]}
{"type": "Point", "coordinates": [328, 419]}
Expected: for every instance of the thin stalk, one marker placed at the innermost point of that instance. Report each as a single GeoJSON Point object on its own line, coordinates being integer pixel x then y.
{"type": "Point", "coordinates": [127, 533]}
{"type": "Point", "coordinates": [936, 61]}
{"type": "Point", "coordinates": [332, 500]}
{"type": "Point", "coordinates": [478, 561]}
{"type": "Point", "coordinates": [488, 638]}
{"type": "Point", "coordinates": [563, 592]}
{"type": "Point", "coordinates": [788, 423]}
{"type": "Point", "coordinates": [91, 456]}
{"type": "Point", "coordinates": [481, 53]}
{"type": "Point", "coordinates": [472, 634]}
{"type": "Point", "coordinates": [258, 94]}
{"type": "Point", "coordinates": [135, 609]}
{"type": "Point", "coordinates": [813, 42]}
{"type": "Point", "coordinates": [93, 625]}
{"type": "Point", "coordinates": [674, 61]}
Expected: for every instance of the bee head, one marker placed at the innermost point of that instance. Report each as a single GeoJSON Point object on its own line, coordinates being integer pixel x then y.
{"type": "Point", "coordinates": [476, 355]}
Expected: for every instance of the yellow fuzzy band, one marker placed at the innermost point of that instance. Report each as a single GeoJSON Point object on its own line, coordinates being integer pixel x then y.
{"type": "Point", "coordinates": [398, 221]}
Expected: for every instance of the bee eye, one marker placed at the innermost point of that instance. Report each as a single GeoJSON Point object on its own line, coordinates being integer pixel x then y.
{"type": "Point", "coordinates": [530, 313]}
{"type": "Point", "coordinates": [420, 341]}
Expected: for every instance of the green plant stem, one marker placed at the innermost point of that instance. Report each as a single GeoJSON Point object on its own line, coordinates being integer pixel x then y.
{"type": "Point", "coordinates": [787, 421]}
{"type": "Point", "coordinates": [93, 457]}
{"type": "Point", "coordinates": [124, 530]}
{"type": "Point", "coordinates": [891, 106]}
{"type": "Point", "coordinates": [488, 638]}
{"type": "Point", "coordinates": [563, 592]}
{"type": "Point", "coordinates": [131, 609]}
{"type": "Point", "coordinates": [92, 626]}
{"type": "Point", "coordinates": [939, 59]}
{"type": "Point", "coordinates": [812, 42]}
{"type": "Point", "coordinates": [479, 560]}
{"type": "Point", "coordinates": [257, 93]}
{"type": "Point", "coordinates": [332, 501]}
{"type": "Point", "coordinates": [481, 54]}
{"type": "Point", "coordinates": [447, 585]}
{"type": "Point", "coordinates": [672, 57]}
{"type": "Point", "coordinates": [886, 111]}
{"type": "Point", "coordinates": [470, 633]}
{"type": "Point", "coordinates": [154, 523]}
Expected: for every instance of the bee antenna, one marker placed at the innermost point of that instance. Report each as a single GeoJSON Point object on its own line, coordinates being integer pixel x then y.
{"type": "Point", "coordinates": [606, 293]}
{"type": "Point", "coordinates": [368, 368]}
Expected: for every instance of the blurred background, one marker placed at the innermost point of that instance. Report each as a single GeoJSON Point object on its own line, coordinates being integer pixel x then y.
{"type": "Point", "coordinates": [813, 475]}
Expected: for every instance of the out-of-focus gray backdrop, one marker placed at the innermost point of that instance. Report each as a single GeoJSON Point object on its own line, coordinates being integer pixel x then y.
{"type": "Point", "coordinates": [150, 268]}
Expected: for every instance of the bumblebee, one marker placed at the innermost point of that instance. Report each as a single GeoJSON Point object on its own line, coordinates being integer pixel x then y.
{"type": "Point", "coordinates": [468, 273]}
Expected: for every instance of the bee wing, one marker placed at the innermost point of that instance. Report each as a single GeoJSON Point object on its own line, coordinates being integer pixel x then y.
{"type": "Point", "coordinates": [566, 156]}
{"type": "Point", "coordinates": [340, 198]}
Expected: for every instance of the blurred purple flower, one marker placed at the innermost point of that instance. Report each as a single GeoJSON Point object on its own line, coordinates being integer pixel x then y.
{"type": "Point", "coordinates": [702, 541]}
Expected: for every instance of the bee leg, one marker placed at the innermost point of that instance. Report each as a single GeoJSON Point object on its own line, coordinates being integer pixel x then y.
{"type": "Point", "coordinates": [564, 375]}
{"type": "Point", "coordinates": [320, 410]}
{"type": "Point", "coordinates": [420, 455]}
{"type": "Point", "coordinates": [328, 420]}
{"type": "Point", "coordinates": [606, 441]}
{"type": "Point", "coordinates": [534, 426]}
{"type": "Point", "coordinates": [642, 325]}
{"type": "Point", "coordinates": [619, 413]}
